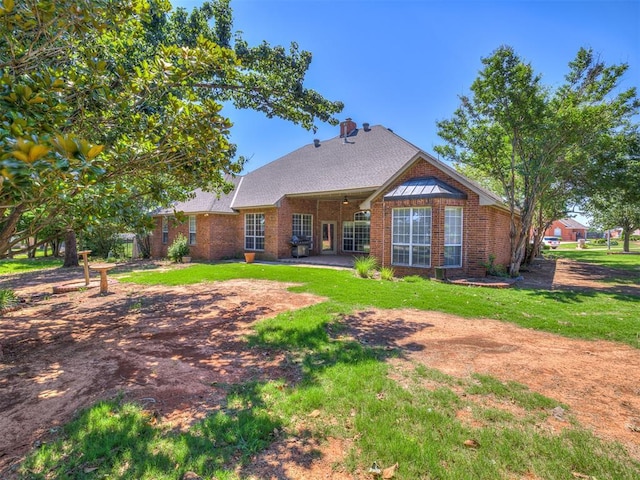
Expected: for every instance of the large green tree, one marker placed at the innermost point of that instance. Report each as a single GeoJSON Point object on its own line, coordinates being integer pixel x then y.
{"type": "Point", "coordinates": [105, 104]}
{"type": "Point", "coordinates": [523, 133]}
{"type": "Point", "coordinates": [611, 184]}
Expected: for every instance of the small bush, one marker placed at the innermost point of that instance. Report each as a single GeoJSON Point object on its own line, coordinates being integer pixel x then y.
{"type": "Point", "coordinates": [603, 241]}
{"type": "Point", "coordinates": [494, 269]}
{"type": "Point", "coordinates": [179, 248]}
{"type": "Point", "coordinates": [634, 238]}
{"type": "Point", "coordinates": [387, 273]}
{"type": "Point", "coordinates": [365, 266]}
{"type": "Point", "coordinates": [8, 299]}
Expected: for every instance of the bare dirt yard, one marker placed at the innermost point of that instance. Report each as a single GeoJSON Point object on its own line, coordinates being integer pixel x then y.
{"type": "Point", "coordinates": [169, 347]}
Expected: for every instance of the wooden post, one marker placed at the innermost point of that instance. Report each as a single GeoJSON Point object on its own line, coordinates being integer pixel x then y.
{"type": "Point", "coordinates": [84, 254]}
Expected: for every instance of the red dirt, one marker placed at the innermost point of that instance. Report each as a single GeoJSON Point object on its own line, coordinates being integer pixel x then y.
{"type": "Point", "coordinates": [172, 349]}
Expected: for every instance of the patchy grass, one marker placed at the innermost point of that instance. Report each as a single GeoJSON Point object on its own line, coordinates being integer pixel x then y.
{"type": "Point", "coordinates": [8, 299]}
{"type": "Point", "coordinates": [589, 315]}
{"type": "Point", "coordinates": [431, 424]}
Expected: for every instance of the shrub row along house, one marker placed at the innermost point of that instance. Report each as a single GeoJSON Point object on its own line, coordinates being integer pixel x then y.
{"type": "Point", "coordinates": [366, 191]}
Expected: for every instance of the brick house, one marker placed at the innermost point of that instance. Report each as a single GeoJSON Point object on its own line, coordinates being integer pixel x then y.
{"type": "Point", "coordinates": [366, 191]}
{"type": "Point", "coordinates": [567, 229]}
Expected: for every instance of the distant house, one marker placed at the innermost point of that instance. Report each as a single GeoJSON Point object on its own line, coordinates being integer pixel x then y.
{"type": "Point", "coordinates": [366, 191]}
{"type": "Point", "coordinates": [567, 229]}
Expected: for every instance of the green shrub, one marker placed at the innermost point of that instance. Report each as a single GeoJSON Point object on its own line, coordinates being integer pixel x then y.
{"type": "Point", "coordinates": [494, 269]}
{"type": "Point", "coordinates": [7, 299]}
{"type": "Point", "coordinates": [179, 248]}
{"type": "Point", "coordinates": [365, 266]}
{"type": "Point", "coordinates": [634, 238]}
{"type": "Point", "coordinates": [387, 273]}
{"type": "Point", "coordinates": [603, 241]}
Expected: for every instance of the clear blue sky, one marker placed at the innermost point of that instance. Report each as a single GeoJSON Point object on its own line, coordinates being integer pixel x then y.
{"type": "Point", "coordinates": [402, 64]}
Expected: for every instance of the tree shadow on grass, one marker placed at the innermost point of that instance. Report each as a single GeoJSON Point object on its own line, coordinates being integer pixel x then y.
{"type": "Point", "coordinates": [121, 440]}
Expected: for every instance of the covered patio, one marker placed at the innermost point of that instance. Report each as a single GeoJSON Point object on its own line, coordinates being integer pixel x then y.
{"type": "Point", "coordinates": [342, 261]}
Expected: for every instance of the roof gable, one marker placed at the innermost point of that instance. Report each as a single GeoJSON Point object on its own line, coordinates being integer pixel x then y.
{"type": "Point", "coordinates": [571, 223]}
{"type": "Point", "coordinates": [362, 161]}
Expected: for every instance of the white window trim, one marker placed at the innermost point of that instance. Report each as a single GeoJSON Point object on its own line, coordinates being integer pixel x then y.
{"type": "Point", "coordinates": [354, 223]}
{"type": "Point", "coordinates": [461, 235]}
{"type": "Point", "coordinates": [246, 215]}
{"type": "Point", "coordinates": [410, 244]}
{"type": "Point", "coordinates": [192, 218]}
{"type": "Point", "coordinates": [165, 230]}
{"type": "Point", "coordinates": [302, 222]}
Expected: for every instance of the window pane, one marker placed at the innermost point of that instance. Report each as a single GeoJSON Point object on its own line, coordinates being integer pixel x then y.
{"type": "Point", "coordinates": [401, 225]}
{"type": "Point", "coordinates": [192, 230]}
{"type": "Point", "coordinates": [362, 216]}
{"type": "Point", "coordinates": [254, 231]}
{"type": "Point", "coordinates": [421, 256]}
{"type": "Point", "coordinates": [453, 226]}
{"type": "Point", "coordinates": [165, 230]}
{"type": "Point", "coordinates": [400, 255]}
{"type": "Point", "coordinates": [453, 236]}
{"type": "Point", "coordinates": [302, 225]}
{"type": "Point", "coordinates": [452, 256]}
{"type": "Point", "coordinates": [411, 236]}
{"type": "Point", "coordinates": [361, 235]}
{"type": "Point", "coordinates": [421, 228]}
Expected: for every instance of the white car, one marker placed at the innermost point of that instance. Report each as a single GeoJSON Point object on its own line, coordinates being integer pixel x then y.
{"type": "Point", "coordinates": [552, 242]}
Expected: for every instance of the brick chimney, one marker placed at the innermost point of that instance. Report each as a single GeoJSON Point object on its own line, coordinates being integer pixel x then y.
{"type": "Point", "coordinates": [347, 127]}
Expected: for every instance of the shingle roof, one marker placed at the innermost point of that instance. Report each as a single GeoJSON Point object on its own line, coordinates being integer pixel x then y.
{"type": "Point", "coordinates": [571, 223]}
{"type": "Point", "coordinates": [364, 162]}
{"type": "Point", "coordinates": [204, 202]}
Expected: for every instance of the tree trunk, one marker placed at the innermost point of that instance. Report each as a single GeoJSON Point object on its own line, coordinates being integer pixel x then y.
{"type": "Point", "coordinates": [144, 243]}
{"type": "Point", "coordinates": [626, 233]}
{"type": "Point", "coordinates": [8, 228]}
{"type": "Point", "coordinates": [55, 247]}
{"type": "Point", "coordinates": [70, 250]}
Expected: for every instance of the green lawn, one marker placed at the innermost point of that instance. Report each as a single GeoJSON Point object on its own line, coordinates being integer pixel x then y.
{"type": "Point", "coordinates": [575, 314]}
{"type": "Point", "coordinates": [22, 264]}
{"type": "Point", "coordinates": [406, 414]}
{"type": "Point", "coordinates": [601, 255]}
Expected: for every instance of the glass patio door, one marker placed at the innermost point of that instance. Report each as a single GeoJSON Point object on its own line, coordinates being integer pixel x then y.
{"type": "Point", "coordinates": [328, 238]}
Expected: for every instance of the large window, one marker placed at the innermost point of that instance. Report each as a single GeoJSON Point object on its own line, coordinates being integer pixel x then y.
{"type": "Point", "coordinates": [165, 230]}
{"type": "Point", "coordinates": [411, 237]}
{"type": "Point", "coordinates": [356, 235]}
{"type": "Point", "coordinates": [254, 231]}
{"type": "Point", "coordinates": [192, 229]}
{"type": "Point", "coordinates": [302, 225]}
{"type": "Point", "coordinates": [453, 236]}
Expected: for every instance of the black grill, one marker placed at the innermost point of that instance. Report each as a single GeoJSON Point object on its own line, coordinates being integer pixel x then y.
{"type": "Point", "coordinates": [300, 246]}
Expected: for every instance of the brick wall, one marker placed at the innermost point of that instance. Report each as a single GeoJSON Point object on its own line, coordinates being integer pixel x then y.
{"type": "Point", "coordinates": [483, 227]}
{"type": "Point", "coordinates": [215, 236]}
{"type": "Point", "coordinates": [322, 211]}
{"type": "Point", "coordinates": [499, 242]}
{"type": "Point", "coordinates": [566, 234]}
{"type": "Point", "coordinates": [270, 232]}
